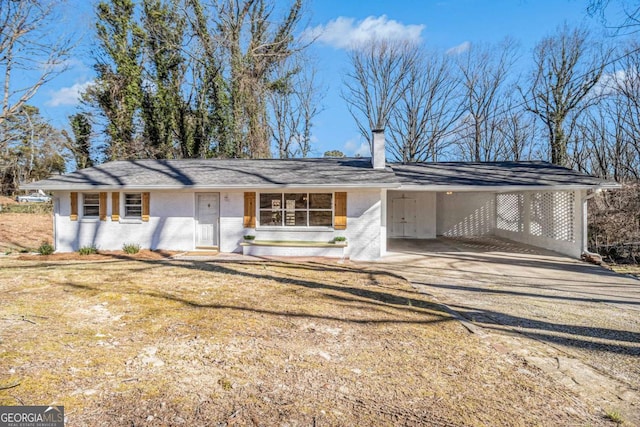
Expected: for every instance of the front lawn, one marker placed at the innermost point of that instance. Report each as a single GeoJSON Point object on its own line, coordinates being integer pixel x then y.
{"type": "Point", "coordinates": [159, 342]}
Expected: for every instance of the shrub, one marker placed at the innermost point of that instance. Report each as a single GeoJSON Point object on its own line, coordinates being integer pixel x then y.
{"type": "Point", "coordinates": [339, 239]}
{"type": "Point", "coordinates": [131, 248]}
{"type": "Point", "coordinates": [46, 248]}
{"type": "Point", "coordinates": [249, 237]}
{"type": "Point", "coordinates": [88, 250]}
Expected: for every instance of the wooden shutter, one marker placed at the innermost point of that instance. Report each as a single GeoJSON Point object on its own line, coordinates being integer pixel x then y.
{"type": "Point", "coordinates": [340, 221]}
{"type": "Point", "coordinates": [249, 210]}
{"type": "Point", "coordinates": [74, 207]}
{"type": "Point", "coordinates": [103, 206]}
{"type": "Point", "coordinates": [115, 206]}
{"type": "Point", "coordinates": [145, 206]}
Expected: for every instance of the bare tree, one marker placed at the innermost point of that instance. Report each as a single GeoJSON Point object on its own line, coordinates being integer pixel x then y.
{"type": "Point", "coordinates": [567, 67]}
{"type": "Point", "coordinates": [607, 140]}
{"type": "Point", "coordinates": [517, 132]}
{"type": "Point", "coordinates": [485, 74]}
{"type": "Point", "coordinates": [427, 111]}
{"type": "Point", "coordinates": [294, 101]}
{"type": "Point", "coordinates": [377, 81]}
{"type": "Point", "coordinates": [626, 110]}
{"type": "Point", "coordinates": [626, 22]}
{"type": "Point", "coordinates": [26, 45]}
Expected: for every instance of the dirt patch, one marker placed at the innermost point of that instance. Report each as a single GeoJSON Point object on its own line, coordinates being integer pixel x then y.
{"type": "Point", "coordinates": [4, 200]}
{"type": "Point", "coordinates": [24, 231]}
{"type": "Point", "coordinates": [160, 342]}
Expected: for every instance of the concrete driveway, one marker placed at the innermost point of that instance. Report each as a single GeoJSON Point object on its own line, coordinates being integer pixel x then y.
{"type": "Point", "coordinates": [578, 322]}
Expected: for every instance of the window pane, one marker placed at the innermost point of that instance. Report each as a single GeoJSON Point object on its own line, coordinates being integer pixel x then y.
{"type": "Point", "coordinates": [133, 211]}
{"type": "Point", "coordinates": [296, 219]}
{"type": "Point", "coordinates": [320, 200]}
{"type": "Point", "coordinates": [268, 218]}
{"type": "Point", "coordinates": [91, 198]}
{"type": "Point", "coordinates": [270, 201]}
{"type": "Point", "coordinates": [320, 218]}
{"type": "Point", "coordinates": [91, 204]}
{"type": "Point", "coordinates": [295, 200]}
{"type": "Point", "coordinates": [133, 199]}
{"type": "Point", "coordinates": [133, 205]}
{"type": "Point", "coordinates": [91, 210]}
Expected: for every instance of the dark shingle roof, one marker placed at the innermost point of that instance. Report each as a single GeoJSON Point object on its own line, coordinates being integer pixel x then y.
{"type": "Point", "coordinates": [492, 174]}
{"type": "Point", "coordinates": [318, 173]}
{"type": "Point", "coordinates": [224, 173]}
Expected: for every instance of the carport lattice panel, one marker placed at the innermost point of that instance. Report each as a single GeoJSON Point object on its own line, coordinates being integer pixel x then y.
{"type": "Point", "coordinates": [543, 214]}
{"type": "Point", "coordinates": [509, 207]}
{"type": "Point", "coordinates": [552, 215]}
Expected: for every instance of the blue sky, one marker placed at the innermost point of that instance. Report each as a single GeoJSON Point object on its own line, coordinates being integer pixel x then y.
{"type": "Point", "coordinates": [439, 24]}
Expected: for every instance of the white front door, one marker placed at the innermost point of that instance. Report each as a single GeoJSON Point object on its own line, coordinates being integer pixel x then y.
{"type": "Point", "coordinates": [403, 217]}
{"type": "Point", "coordinates": [207, 215]}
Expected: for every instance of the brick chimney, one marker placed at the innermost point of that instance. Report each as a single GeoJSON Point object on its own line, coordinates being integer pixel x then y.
{"type": "Point", "coordinates": [378, 160]}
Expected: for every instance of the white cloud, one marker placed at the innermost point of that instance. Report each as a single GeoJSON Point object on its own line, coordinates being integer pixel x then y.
{"type": "Point", "coordinates": [346, 33]}
{"type": "Point", "coordinates": [461, 48]}
{"type": "Point", "coordinates": [356, 148]}
{"type": "Point", "coordinates": [68, 95]}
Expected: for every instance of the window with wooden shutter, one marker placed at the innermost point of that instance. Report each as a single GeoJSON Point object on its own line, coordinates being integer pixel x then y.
{"type": "Point", "coordinates": [115, 206]}
{"type": "Point", "coordinates": [103, 206]}
{"type": "Point", "coordinates": [145, 206]}
{"type": "Point", "coordinates": [249, 210]}
{"type": "Point", "coordinates": [340, 221]}
{"type": "Point", "coordinates": [74, 207]}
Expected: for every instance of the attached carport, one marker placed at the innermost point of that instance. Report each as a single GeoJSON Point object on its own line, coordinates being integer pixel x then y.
{"type": "Point", "coordinates": [534, 203]}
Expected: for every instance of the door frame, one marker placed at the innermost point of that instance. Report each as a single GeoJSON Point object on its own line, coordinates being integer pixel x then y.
{"type": "Point", "coordinates": [196, 218]}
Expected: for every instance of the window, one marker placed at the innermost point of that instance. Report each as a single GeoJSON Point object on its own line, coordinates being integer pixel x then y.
{"type": "Point", "coordinates": [91, 204]}
{"type": "Point", "coordinates": [133, 205]}
{"type": "Point", "coordinates": [296, 209]}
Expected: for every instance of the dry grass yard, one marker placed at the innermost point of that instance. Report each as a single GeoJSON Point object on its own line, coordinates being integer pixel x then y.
{"type": "Point", "coordinates": [160, 342]}
{"type": "Point", "coordinates": [149, 341]}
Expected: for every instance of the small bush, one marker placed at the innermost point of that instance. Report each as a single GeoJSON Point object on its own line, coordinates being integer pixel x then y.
{"type": "Point", "coordinates": [249, 237]}
{"type": "Point", "coordinates": [131, 248]}
{"type": "Point", "coordinates": [46, 248]}
{"type": "Point", "coordinates": [339, 239]}
{"type": "Point", "coordinates": [88, 250]}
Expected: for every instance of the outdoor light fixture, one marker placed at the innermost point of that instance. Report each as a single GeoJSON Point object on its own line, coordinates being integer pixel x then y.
{"type": "Point", "coordinates": [449, 193]}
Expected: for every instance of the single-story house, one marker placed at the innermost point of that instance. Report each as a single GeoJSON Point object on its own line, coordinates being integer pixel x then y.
{"type": "Point", "coordinates": [299, 206]}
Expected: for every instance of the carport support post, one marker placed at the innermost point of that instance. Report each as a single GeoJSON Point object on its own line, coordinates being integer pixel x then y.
{"type": "Point", "coordinates": [585, 219]}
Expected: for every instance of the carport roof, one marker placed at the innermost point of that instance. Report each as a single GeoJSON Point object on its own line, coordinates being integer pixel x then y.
{"type": "Point", "coordinates": [493, 176]}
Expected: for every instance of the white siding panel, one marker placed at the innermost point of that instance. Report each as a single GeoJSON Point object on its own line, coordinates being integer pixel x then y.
{"type": "Point", "coordinates": [231, 227]}
{"type": "Point", "coordinates": [171, 226]}
{"type": "Point", "coordinates": [363, 225]}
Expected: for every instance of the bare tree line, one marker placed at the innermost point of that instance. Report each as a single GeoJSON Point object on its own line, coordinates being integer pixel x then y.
{"type": "Point", "coordinates": [576, 106]}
